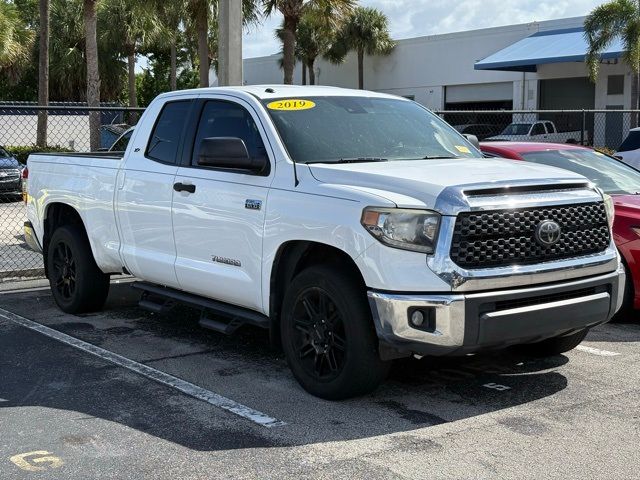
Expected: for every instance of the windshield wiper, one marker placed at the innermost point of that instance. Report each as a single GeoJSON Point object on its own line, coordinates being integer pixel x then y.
{"type": "Point", "coordinates": [439, 157]}
{"type": "Point", "coordinates": [352, 160]}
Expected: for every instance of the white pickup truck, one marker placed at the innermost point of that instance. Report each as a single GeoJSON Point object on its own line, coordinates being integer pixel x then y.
{"type": "Point", "coordinates": [357, 227]}
{"type": "Point", "coordinates": [542, 131]}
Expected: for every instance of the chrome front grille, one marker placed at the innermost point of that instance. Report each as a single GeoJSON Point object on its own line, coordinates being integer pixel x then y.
{"type": "Point", "coordinates": [508, 237]}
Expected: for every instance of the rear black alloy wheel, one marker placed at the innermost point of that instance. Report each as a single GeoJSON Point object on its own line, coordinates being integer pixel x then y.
{"type": "Point", "coordinates": [64, 271]}
{"type": "Point", "coordinates": [77, 284]}
{"type": "Point", "coordinates": [328, 335]}
{"type": "Point", "coordinates": [320, 338]}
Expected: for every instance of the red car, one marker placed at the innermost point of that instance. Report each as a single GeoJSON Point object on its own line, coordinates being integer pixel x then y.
{"type": "Point", "coordinates": [612, 176]}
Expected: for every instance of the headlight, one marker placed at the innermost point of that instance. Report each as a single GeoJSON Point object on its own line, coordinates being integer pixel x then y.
{"type": "Point", "coordinates": [611, 211]}
{"type": "Point", "coordinates": [415, 230]}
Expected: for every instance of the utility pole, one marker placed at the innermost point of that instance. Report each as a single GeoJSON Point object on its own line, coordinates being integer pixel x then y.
{"type": "Point", "coordinates": [229, 42]}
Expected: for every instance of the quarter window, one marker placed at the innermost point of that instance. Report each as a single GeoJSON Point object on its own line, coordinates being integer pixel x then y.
{"type": "Point", "coordinates": [226, 119]}
{"type": "Point", "coordinates": [166, 135]}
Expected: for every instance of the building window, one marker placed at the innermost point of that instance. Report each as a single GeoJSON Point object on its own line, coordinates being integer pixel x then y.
{"type": "Point", "coordinates": [615, 85]}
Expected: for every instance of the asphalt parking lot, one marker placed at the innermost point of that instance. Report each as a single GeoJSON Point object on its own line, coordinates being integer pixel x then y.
{"type": "Point", "coordinates": [138, 395]}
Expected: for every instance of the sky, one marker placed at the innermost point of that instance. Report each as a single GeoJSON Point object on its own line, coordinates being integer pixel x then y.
{"type": "Point", "coordinates": [414, 18]}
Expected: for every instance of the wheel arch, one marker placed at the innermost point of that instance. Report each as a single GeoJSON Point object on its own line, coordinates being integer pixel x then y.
{"type": "Point", "coordinates": [57, 214]}
{"type": "Point", "coordinates": [291, 258]}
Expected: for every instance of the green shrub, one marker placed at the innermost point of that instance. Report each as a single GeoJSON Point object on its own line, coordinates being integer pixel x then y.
{"type": "Point", "coordinates": [22, 153]}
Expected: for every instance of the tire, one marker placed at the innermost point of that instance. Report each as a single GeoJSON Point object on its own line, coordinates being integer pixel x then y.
{"type": "Point", "coordinates": [556, 345]}
{"type": "Point", "coordinates": [328, 335]}
{"type": "Point", "coordinates": [77, 284]}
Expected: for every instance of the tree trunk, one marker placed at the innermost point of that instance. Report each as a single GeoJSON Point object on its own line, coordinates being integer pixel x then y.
{"type": "Point", "coordinates": [43, 74]}
{"type": "Point", "coordinates": [131, 64]}
{"type": "Point", "coordinates": [202, 27]}
{"type": "Point", "coordinates": [304, 73]}
{"type": "Point", "coordinates": [93, 74]}
{"type": "Point", "coordinates": [312, 73]}
{"type": "Point", "coordinates": [288, 49]}
{"type": "Point", "coordinates": [173, 77]}
{"type": "Point", "coordinates": [361, 69]}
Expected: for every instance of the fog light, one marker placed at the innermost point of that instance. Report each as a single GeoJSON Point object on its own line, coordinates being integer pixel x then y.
{"type": "Point", "coordinates": [417, 318]}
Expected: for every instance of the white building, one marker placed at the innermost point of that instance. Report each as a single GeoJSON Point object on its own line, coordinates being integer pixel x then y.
{"type": "Point", "coordinates": [530, 66]}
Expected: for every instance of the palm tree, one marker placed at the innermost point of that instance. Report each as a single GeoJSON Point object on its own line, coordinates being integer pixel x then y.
{"type": "Point", "coordinates": [93, 73]}
{"type": "Point", "coordinates": [133, 23]}
{"type": "Point", "coordinates": [331, 11]}
{"type": "Point", "coordinates": [16, 41]}
{"type": "Point", "coordinates": [68, 66]}
{"type": "Point", "coordinates": [607, 22]}
{"type": "Point", "coordinates": [313, 39]}
{"type": "Point", "coordinates": [172, 17]}
{"type": "Point", "coordinates": [43, 73]}
{"type": "Point", "coordinates": [365, 31]}
{"type": "Point", "coordinates": [201, 14]}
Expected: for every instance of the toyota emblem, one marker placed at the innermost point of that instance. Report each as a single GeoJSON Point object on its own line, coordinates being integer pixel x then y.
{"type": "Point", "coordinates": [548, 233]}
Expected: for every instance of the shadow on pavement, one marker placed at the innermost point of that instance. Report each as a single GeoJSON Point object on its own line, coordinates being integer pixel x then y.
{"type": "Point", "coordinates": [38, 371]}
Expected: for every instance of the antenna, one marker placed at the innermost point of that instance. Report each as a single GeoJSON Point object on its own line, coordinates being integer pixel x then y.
{"type": "Point", "coordinates": [295, 174]}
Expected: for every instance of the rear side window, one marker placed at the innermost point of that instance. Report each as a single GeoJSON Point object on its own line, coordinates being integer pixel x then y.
{"type": "Point", "coordinates": [550, 127]}
{"type": "Point", "coordinates": [632, 142]}
{"type": "Point", "coordinates": [167, 133]}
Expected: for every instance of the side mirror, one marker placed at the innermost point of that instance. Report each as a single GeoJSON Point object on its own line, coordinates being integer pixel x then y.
{"type": "Point", "coordinates": [473, 140]}
{"type": "Point", "coordinates": [231, 153]}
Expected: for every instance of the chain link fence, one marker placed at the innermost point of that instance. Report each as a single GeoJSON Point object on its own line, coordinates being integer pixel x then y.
{"type": "Point", "coordinates": [603, 129]}
{"type": "Point", "coordinates": [68, 130]}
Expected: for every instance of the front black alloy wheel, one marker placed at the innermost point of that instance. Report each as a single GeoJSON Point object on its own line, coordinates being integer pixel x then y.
{"type": "Point", "coordinates": [328, 334]}
{"type": "Point", "coordinates": [320, 338]}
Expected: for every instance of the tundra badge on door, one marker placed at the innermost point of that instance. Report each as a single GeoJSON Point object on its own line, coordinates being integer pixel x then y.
{"type": "Point", "coordinates": [253, 204]}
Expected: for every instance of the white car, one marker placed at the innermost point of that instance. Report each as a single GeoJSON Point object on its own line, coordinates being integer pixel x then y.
{"type": "Point", "coordinates": [356, 226]}
{"type": "Point", "coordinates": [629, 151]}
{"type": "Point", "coordinates": [542, 131]}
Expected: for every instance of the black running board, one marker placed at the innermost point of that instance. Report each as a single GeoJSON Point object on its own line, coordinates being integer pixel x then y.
{"type": "Point", "coordinates": [228, 319]}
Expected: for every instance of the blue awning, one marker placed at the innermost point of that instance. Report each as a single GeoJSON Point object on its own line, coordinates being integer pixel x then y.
{"type": "Point", "coordinates": [554, 46]}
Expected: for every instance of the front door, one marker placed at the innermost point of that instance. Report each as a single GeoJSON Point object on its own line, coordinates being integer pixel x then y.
{"type": "Point", "coordinates": [218, 219]}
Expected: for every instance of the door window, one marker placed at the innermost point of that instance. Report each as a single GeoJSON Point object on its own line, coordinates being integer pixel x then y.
{"type": "Point", "coordinates": [167, 133]}
{"type": "Point", "coordinates": [538, 129]}
{"type": "Point", "coordinates": [550, 127]}
{"type": "Point", "coordinates": [226, 119]}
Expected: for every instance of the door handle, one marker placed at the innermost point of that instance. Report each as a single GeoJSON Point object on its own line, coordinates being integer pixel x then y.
{"type": "Point", "coordinates": [183, 187]}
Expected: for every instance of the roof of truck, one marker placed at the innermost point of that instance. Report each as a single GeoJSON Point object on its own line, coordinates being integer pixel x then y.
{"type": "Point", "coordinates": [283, 91]}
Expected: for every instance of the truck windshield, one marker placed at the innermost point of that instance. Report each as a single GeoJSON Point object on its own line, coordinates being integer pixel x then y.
{"type": "Point", "coordinates": [611, 175]}
{"type": "Point", "coordinates": [341, 129]}
{"type": "Point", "coordinates": [517, 129]}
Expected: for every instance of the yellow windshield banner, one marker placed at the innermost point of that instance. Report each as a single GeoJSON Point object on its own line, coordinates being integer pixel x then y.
{"type": "Point", "coordinates": [291, 104]}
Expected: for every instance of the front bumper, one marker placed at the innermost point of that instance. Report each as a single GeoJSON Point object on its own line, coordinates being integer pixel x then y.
{"type": "Point", "coordinates": [469, 322]}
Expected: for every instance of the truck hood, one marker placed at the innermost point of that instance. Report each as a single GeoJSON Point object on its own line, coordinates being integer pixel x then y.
{"type": "Point", "coordinates": [418, 183]}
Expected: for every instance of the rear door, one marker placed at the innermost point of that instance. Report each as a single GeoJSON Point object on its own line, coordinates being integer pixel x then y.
{"type": "Point", "coordinates": [218, 225]}
{"type": "Point", "coordinates": [144, 194]}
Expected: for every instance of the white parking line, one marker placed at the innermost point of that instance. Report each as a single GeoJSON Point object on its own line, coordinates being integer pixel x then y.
{"type": "Point", "coordinates": [156, 375]}
{"type": "Point", "coordinates": [596, 351]}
